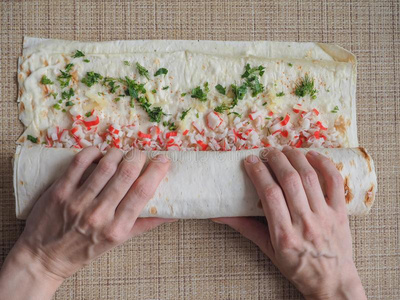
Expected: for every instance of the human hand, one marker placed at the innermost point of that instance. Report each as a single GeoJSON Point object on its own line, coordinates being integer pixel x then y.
{"type": "Point", "coordinates": [77, 220]}
{"type": "Point", "coordinates": [308, 236]}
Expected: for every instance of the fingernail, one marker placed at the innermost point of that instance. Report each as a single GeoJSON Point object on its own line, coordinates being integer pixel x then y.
{"type": "Point", "coordinates": [171, 220]}
{"type": "Point", "coordinates": [215, 221]}
{"type": "Point", "coordinates": [162, 158]}
{"type": "Point", "coordinates": [252, 159]}
{"type": "Point", "coordinates": [313, 153]}
{"type": "Point", "coordinates": [286, 148]}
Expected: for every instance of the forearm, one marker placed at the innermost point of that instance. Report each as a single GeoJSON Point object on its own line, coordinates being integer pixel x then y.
{"type": "Point", "coordinates": [24, 277]}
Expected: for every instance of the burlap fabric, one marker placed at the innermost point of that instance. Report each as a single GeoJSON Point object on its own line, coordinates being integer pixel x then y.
{"type": "Point", "coordinates": [200, 259]}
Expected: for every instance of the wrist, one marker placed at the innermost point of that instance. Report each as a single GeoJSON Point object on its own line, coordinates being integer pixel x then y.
{"type": "Point", "coordinates": [23, 276]}
{"type": "Point", "coordinates": [349, 287]}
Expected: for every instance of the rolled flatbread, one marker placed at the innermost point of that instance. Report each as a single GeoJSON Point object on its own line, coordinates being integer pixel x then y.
{"type": "Point", "coordinates": [198, 185]}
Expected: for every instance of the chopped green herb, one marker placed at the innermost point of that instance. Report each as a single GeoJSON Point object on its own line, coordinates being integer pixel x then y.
{"type": "Point", "coordinates": [197, 115]}
{"type": "Point", "coordinates": [290, 64]}
{"type": "Point", "coordinates": [306, 86]}
{"type": "Point", "coordinates": [45, 80]}
{"type": "Point", "coordinates": [253, 71]}
{"type": "Point", "coordinates": [155, 113]}
{"type": "Point", "coordinates": [221, 108]}
{"type": "Point", "coordinates": [165, 88]}
{"type": "Point", "coordinates": [117, 99]}
{"type": "Point", "coordinates": [88, 114]}
{"type": "Point", "coordinates": [64, 110]}
{"type": "Point", "coordinates": [281, 94]}
{"type": "Point", "coordinates": [64, 79]}
{"type": "Point", "coordinates": [235, 113]}
{"type": "Point", "coordinates": [68, 67]}
{"type": "Point", "coordinates": [60, 101]}
{"type": "Point", "coordinates": [161, 71]}
{"type": "Point", "coordinates": [86, 60]}
{"type": "Point", "coordinates": [154, 91]}
{"type": "Point", "coordinates": [171, 126]}
{"type": "Point", "coordinates": [100, 93]}
{"type": "Point", "coordinates": [238, 93]}
{"type": "Point", "coordinates": [126, 63]}
{"type": "Point", "coordinates": [122, 95]}
{"type": "Point", "coordinates": [78, 54]}
{"type": "Point", "coordinates": [32, 138]}
{"type": "Point", "coordinates": [183, 94]}
{"type": "Point", "coordinates": [133, 88]}
{"type": "Point", "coordinates": [335, 109]}
{"type": "Point", "coordinates": [142, 71]}
{"type": "Point", "coordinates": [91, 78]}
{"type": "Point", "coordinates": [206, 88]}
{"type": "Point", "coordinates": [57, 106]}
{"type": "Point", "coordinates": [69, 103]}
{"type": "Point", "coordinates": [131, 103]}
{"type": "Point", "coordinates": [54, 95]}
{"type": "Point", "coordinates": [184, 113]}
{"type": "Point", "coordinates": [268, 118]}
{"type": "Point", "coordinates": [199, 94]}
{"type": "Point", "coordinates": [327, 91]}
{"type": "Point", "coordinates": [220, 89]}
{"type": "Point", "coordinates": [265, 103]}
{"type": "Point", "coordinates": [111, 84]}
{"type": "Point", "coordinates": [67, 94]}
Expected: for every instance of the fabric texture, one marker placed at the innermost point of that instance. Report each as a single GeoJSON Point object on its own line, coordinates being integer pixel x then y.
{"type": "Point", "coordinates": [199, 259]}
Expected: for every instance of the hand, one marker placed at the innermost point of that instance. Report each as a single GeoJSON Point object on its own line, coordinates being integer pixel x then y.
{"type": "Point", "coordinates": [308, 235]}
{"type": "Point", "coordinates": [77, 220]}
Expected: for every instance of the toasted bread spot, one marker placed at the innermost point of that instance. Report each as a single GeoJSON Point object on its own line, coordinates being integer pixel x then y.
{"type": "Point", "coordinates": [352, 163]}
{"type": "Point", "coordinates": [46, 63]}
{"type": "Point", "coordinates": [74, 77]}
{"type": "Point", "coordinates": [45, 89]}
{"type": "Point", "coordinates": [21, 139]}
{"type": "Point", "coordinates": [28, 72]}
{"type": "Point", "coordinates": [369, 196]}
{"type": "Point", "coordinates": [341, 125]}
{"type": "Point", "coordinates": [20, 76]}
{"type": "Point", "coordinates": [348, 193]}
{"type": "Point", "coordinates": [21, 182]}
{"type": "Point", "coordinates": [153, 210]}
{"type": "Point", "coordinates": [21, 107]}
{"type": "Point", "coordinates": [366, 156]}
{"type": "Point", "coordinates": [339, 166]}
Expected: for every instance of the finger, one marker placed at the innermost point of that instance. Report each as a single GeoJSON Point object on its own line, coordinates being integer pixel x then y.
{"type": "Point", "coordinates": [252, 229]}
{"type": "Point", "coordinates": [79, 165]}
{"type": "Point", "coordinates": [333, 179]}
{"type": "Point", "coordinates": [97, 180]}
{"type": "Point", "coordinates": [272, 200]}
{"type": "Point", "coordinates": [143, 225]}
{"type": "Point", "coordinates": [128, 171]}
{"type": "Point", "coordinates": [142, 190]}
{"type": "Point", "coordinates": [309, 178]}
{"type": "Point", "coordinates": [290, 182]}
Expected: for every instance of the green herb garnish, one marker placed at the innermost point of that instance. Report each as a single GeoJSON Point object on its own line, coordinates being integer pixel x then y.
{"type": "Point", "coordinates": [235, 113]}
{"type": "Point", "coordinates": [154, 91]}
{"type": "Point", "coordinates": [197, 115]}
{"type": "Point", "coordinates": [32, 138]}
{"type": "Point", "coordinates": [238, 93]}
{"type": "Point", "coordinates": [67, 94]}
{"type": "Point", "coordinates": [69, 103]}
{"type": "Point", "coordinates": [184, 113]}
{"type": "Point", "coordinates": [220, 89]}
{"type": "Point", "coordinates": [306, 86]}
{"type": "Point", "coordinates": [253, 71]}
{"type": "Point", "coordinates": [198, 93]}
{"type": "Point", "coordinates": [86, 60]}
{"type": "Point", "coordinates": [57, 106]}
{"type": "Point", "coordinates": [290, 64]}
{"type": "Point", "coordinates": [126, 63]}
{"type": "Point", "coordinates": [88, 114]}
{"type": "Point", "coordinates": [91, 78]}
{"type": "Point", "coordinates": [221, 108]}
{"type": "Point", "coordinates": [64, 110]}
{"type": "Point", "coordinates": [78, 54]}
{"type": "Point", "coordinates": [155, 113]}
{"type": "Point", "coordinates": [117, 99]}
{"type": "Point", "coordinates": [265, 103]}
{"type": "Point", "coordinates": [165, 88]}
{"type": "Point", "coordinates": [142, 71]}
{"type": "Point", "coordinates": [183, 94]}
{"type": "Point", "coordinates": [171, 126]}
{"type": "Point", "coordinates": [133, 88]}
{"type": "Point", "coordinates": [281, 94]}
{"type": "Point", "coordinates": [45, 80]}
{"type": "Point", "coordinates": [68, 67]}
{"type": "Point", "coordinates": [335, 109]}
{"type": "Point", "coordinates": [111, 84]}
{"type": "Point", "coordinates": [161, 71]}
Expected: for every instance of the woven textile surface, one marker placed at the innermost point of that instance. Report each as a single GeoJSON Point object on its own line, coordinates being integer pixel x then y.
{"type": "Point", "coordinates": [197, 259]}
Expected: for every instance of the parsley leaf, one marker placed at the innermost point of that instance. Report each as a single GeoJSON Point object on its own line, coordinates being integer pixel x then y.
{"type": "Point", "coordinates": [165, 88]}
{"type": "Point", "coordinates": [68, 67]}
{"type": "Point", "coordinates": [32, 138]}
{"type": "Point", "coordinates": [253, 71]}
{"type": "Point", "coordinates": [281, 94]}
{"type": "Point", "coordinates": [155, 113]}
{"type": "Point", "coordinates": [126, 63]}
{"type": "Point", "coordinates": [57, 106]}
{"type": "Point", "coordinates": [69, 103]}
{"type": "Point", "coordinates": [290, 64]}
{"type": "Point", "coordinates": [221, 108]}
{"type": "Point", "coordinates": [235, 113]}
{"type": "Point", "coordinates": [171, 125]}
{"type": "Point", "coordinates": [54, 95]}
{"type": "Point", "coordinates": [335, 109]}
{"type": "Point", "coordinates": [306, 86]}
{"type": "Point", "coordinates": [67, 94]}
{"type": "Point", "coordinates": [91, 78]}
{"type": "Point", "coordinates": [111, 84]}
{"type": "Point", "coordinates": [133, 88]}
{"type": "Point", "coordinates": [161, 71]}
{"type": "Point", "coordinates": [184, 113]}
{"type": "Point", "coordinates": [238, 93]}
{"type": "Point", "coordinates": [78, 54]}
{"type": "Point", "coordinates": [88, 114]}
{"type": "Point", "coordinates": [154, 91]}
{"type": "Point", "coordinates": [117, 99]}
{"type": "Point", "coordinates": [142, 71]}
{"type": "Point", "coordinates": [183, 94]}
{"type": "Point", "coordinates": [45, 80]}
{"type": "Point", "coordinates": [220, 89]}
{"type": "Point", "coordinates": [198, 93]}
{"type": "Point", "coordinates": [65, 77]}
{"type": "Point", "coordinates": [86, 60]}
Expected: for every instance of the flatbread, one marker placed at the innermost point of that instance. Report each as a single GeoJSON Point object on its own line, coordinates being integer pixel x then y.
{"type": "Point", "coordinates": [191, 64]}
{"type": "Point", "coordinates": [215, 183]}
